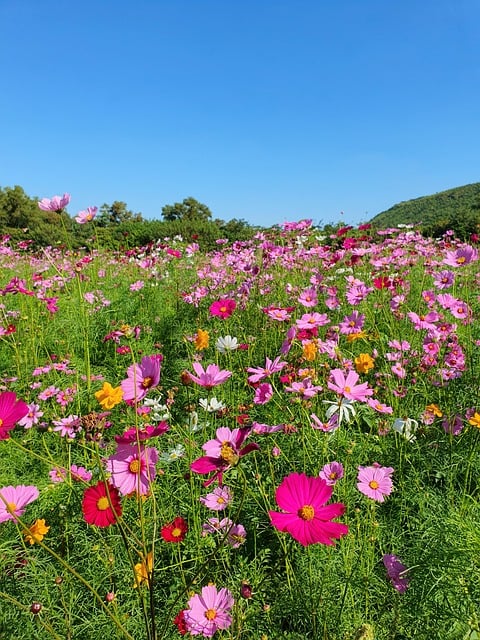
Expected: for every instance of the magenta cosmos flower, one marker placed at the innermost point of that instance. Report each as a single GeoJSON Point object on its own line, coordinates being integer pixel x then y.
{"type": "Point", "coordinates": [209, 611]}
{"type": "Point", "coordinates": [223, 452]}
{"type": "Point", "coordinates": [133, 468]}
{"type": "Point", "coordinates": [396, 572]}
{"type": "Point", "coordinates": [11, 411]}
{"type": "Point", "coordinates": [87, 215]}
{"type": "Point", "coordinates": [141, 378]}
{"type": "Point", "coordinates": [307, 519]}
{"type": "Point", "coordinates": [13, 501]}
{"type": "Point", "coordinates": [209, 377]}
{"type": "Point", "coordinates": [223, 308]}
{"type": "Point", "coordinates": [57, 203]}
{"type": "Point", "coordinates": [375, 481]}
{"type": "Point", "coordinates": [347, 386]}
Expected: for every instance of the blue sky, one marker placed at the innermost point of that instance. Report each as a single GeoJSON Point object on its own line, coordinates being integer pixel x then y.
{"type": "Point", "coordinates": [266, 110]}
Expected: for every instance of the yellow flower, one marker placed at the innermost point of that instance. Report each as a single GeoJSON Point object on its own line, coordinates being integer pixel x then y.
{"type": "Point", "coordinates": [201, 340]}
{"type": "Point", "coordinates": [351, 337]}
{"type": "Point", "coordinates": [310, 351]}
{"type": "Point", "coordinates": [36, 532]}
{"type": "Point", "coordinates": [143, 571]}
{"type": "Point", "coordinates": [433, 408]}
{"type": "Point", "coordinates": [364, 362]}
{"type": "Point", "coordinates": [108, 396]}
{"type": "Point", "coordinates": [475, 420]}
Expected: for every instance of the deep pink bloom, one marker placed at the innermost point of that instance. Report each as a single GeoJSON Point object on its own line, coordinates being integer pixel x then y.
{"type": "Point", "coordinates": [13, 501]}
{"type": "Point", "coordinates": [223, 452]}
{"type": "Point", "coordinates": [347, 386]}
{"type": "Point", "coordinates": [263, 393]}
{"type": "Point", "coordinates": [11, 411]}
{"type": "Point", "coordinates": [87, 215]}
{"type": "Point", "coordinates": [352, 323]}
{"type": "Point", "coordinates": [223, 308]}
{"type": "Point", "coordinates": [209, 611]}
{"type": "Point", "coordinates": [375, 482]}
{"type": "Point", "coordinates": [209, 377]}
{"type": "Point", "coordinates": [139, 435]}
{"type": "Point", "coordinates": [397, 572]}
{"type": "Point", "coordinates": [57, 203]}
{"type": "Point", "coordinates": [307, 519]}
{"type": "Point", "coordinates": [141, 378]}
{"type": "Point", "coordinates": [133, 468]}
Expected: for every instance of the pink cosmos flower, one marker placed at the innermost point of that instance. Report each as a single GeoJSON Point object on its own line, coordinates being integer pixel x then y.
{"type": "Point", "coordinates": [375, 482]}
{"type": "Point", "coordinates": [305, 388]}
{"type": "Point", "coordinates": [347, 386]}
{"type": "Point", "coordinates": [263, 393]}
{"type": "Point", "coordinates": [133, 468]}
{"type": "Point", "coordinates": [67, 427]}
{"type": "Point", "coordinates": [13, 501]}
{"type": "Point", "coordinates": [311, 320]}
{"type": "Point", "coordinates": [139, 435]}
{"type": "Point", "coordinates": [462, 256]}
{"type": "Point", "coordinates": [57, 203]}
{"type": "Point", "coordinates": [307, 519]}
{"type": "Point", "coordinates": [332, 472]}
{"type": "Point", "coordinates": [271, 367]}
{"type": "Point", "coordinates": [223, 308]}
{"type": "Point", "coordinates": [443, 279]}
{"type": "Point", "coordinates": [11, 411]}
{"type": "Point", "coordinates": [308, 297]}
{"type": "Point", "coordinates": [209, 377]}
{"type": "Point", "coordinates": [141, 378]}
{"type": "Point", "coordinates": [87, 215]}
{"type": "Point", "coordinates": [218, 500]}
{"type": "Point", "coordinates": [352, 323]}
{"type": "Point", "coordinates": [396, 572]}
{"type": "Point", "coordinates": [223, 452]}
{"type": "Point", "coordinates": [209, 612]}
{"type": "Point", "coordinates": [331, 424]}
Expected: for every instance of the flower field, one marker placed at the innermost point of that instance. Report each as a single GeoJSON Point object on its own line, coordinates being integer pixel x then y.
{"type": "Point", "coordinates": [274, 440]}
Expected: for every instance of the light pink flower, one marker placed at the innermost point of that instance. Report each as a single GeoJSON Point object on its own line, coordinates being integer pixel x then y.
{"type": "Point", "coordinates": [332, 472]}
{"type": "Point", "coordinates": [347, 386]}
{"type": "Point", "coordinates": [218, 499]}
{"type": "Point", "coordinates": [271, 367]}
{"type": "Point", "coordinates": [209, 612]}
{"type": "Point", "coordinates": [57, 203]}
{"type": "Point", "coordinates": [141, 378]}
{"type": "Point", "coordinates": [375, 482]}
{"type": "Point", "coordinates": [312, 320]}
{"type": "Point", "coordinates": [209, 377]}
{"type": "Point", "coordinates": [87, 215]}
{"type": "Point", "coordinates": [13, 501]}
{"type": "Point", "coordinates": [133, 468]}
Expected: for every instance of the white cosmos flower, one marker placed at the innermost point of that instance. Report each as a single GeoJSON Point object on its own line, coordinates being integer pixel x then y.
{"type": "Point", "coordinates": [226, 343]}
{"type": "Point", "coordinates": [406, 427]}
{"type": "Point", "coordinates": [211, 405]}
{"type": "Point", "coordinates": [174, 454]}
{"type": "Point", "coordinates": [343, 407]}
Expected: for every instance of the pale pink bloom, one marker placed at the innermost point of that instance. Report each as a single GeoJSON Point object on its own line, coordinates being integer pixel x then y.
{"type": "Point", "coordinates": [80, 473]}
{"type": "Point", "coordinates": [58, 474]}
{"type": "Point", "coordinates": [57, 203]}
{"type": "Point", "coordinates": [347, 386]}
{"type": "Point", "coordinates": [67, 427]}
{"type": "Point", "coordinates": [462, 256]}
{"type": "Point", "coordinates": [32, 416]}
{"type": "Point", "coordinates": [379, 406]}
{"type": "Point", "coordinates": [209, 377]}
{"type": "Point", "coordinates": [260, 428]}
{"type": "Point", "coordinates": [331, 424]}
{"type": "Point", "coordinates": [141, 378]}
{"type": "Point", "coordinates": [209, 612]}
{"type": "Point", "coordinates": [263, 393]}
{"type": "Point", "coordinates": [375, 482]}
{"type": "Point", "coordinates": [305, 388]}
{"type": "Point", "coordinates": [312, 320]}
{"type": "Point", "coordinates": [308, 298]}
{"type": "Point", "coordinates": [236, 536]}
{"type": "Point", "coordinates": [425, 321]}
{"type": "Point", "coordinates": [271, 367]}
{"type": "Point", "coordinates": [13, 501]}
{"type": "Point", "coordinates": [49, 392]}
{"type": "Point", "coordinates": [136, 286]}
{"type": "Point", "coordinates": [281, 315]}
{"type": "Point", "coordinates": [133, 468]}
{"type": "Point", "coordinates": [218, 499]}
{"type": "Point", "coordinates": [87, 215]}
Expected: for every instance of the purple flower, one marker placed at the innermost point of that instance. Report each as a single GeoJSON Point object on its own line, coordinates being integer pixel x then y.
{"type": "Point", "coordinates": [263, 393]}
{"type": "Point", "coordinates": [396, 572]}
{"type": "Point", "coordinates": [332, 472]}
{"type": "Point", "coordinates": [57, 203]}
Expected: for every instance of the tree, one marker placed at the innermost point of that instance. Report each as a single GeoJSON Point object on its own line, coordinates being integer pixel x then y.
{"type": "Point", "coordinates": [190, 209]}
{"type": "Point", "coordinates": [17, 210]}
{"type": "Point", "coordinates": [116, 213]}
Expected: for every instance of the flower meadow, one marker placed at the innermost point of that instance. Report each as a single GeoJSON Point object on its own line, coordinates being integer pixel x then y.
{"type": "Point", "coordinates": [277, 439]}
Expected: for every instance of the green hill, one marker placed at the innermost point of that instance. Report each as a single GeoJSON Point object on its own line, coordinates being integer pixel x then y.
{"type": "Point", "coordinates": [457, 208]}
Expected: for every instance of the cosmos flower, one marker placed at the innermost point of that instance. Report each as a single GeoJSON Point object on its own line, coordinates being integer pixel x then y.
{"type": "Point", "coordinates": [36, 532]}
{"type": "Point", "coordinates": [209, 611]}
{"type": "Point", "coordinates": [201, 340]}
{"type": "Point", "coordinates": [223, 308]}
{"type": "Point", "coordinates": [141, 378]}
{"type": "Point", "coordinates": [396, 572]}
{"type": "Point", "coordinates": [224, 344]}
{"type": "Point", "coordinates": [108, 396]}
{"type": "Point", "coordinates": [332, 472]}
{"type": "Point", "coordinates": [57, 203]}
{"type": "Point", "coordinates": [11, 411]}
{"type": "Point", "coordinates": [175, 531]}
{"type": "Point", "coordinates": [101, 504]}
{"type": "Point", "coordinates": [306, 516]}
{"type": "Point", "coordinates": [209, 377]}
{"type": "Point", "coordinates": [375, 482]}
{"type": "Point", "coordinates": [13, 501]}
{"type": "Point", "coordinates": [347, 386]}
{"type": "Point", "coordinates": [218, 499]}
{"type": "Point", "coordinates": [87, 215]}
{"type": "Point", "coordinates": [133, 468]}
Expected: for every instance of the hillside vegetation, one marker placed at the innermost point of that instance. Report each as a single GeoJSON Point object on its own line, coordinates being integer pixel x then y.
{"type": "Point", "coordinates": [457, 209]}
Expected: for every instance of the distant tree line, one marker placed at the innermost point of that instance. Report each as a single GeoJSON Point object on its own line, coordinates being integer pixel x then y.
{"type": "Point", "coordinates": [115, 225]}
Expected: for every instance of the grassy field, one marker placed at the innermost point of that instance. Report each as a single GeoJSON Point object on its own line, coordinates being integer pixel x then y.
{"type": "Point", "coordinates": [169, 422]}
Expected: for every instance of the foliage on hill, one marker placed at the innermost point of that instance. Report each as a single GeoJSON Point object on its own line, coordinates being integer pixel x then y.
{"type": "Point", "coordinates": [456, 209]}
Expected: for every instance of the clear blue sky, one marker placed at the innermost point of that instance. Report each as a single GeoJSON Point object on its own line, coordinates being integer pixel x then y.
{"type": "Point", "coordinates": [266, 110]}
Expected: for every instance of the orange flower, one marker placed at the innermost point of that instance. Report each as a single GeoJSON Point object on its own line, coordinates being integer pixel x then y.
{"type": "Point", "coordinates": [364, 362]}
{"type": "Point", "coordinates": [351, 337]}
{"type": "Point", "coordinates": [201, 340]}
{"type": "Point", "coordinates": [108, 396]}
{"type": "Point", "coordinates": [143, 571]}
{"type": "Point", "coordinates": [36, 532]}
{"type": "Point", "coordinates": [475, 420]}
{"type": "Point", "coordinates": [310, 351]}
{"type": "Point", "coordinates": [433, 408]}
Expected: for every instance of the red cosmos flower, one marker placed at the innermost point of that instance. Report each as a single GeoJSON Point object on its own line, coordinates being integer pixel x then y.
{"type": "Point", "coordinates": [101, 509]}
{"type": "Point", "coordinates": [11, 411]}
{"type": "Point", "coordinates": [179, 621]}
{"type": "Point", "coordinates": [223, 308]}
{"type": "Point", "coordinates": [175, 531]}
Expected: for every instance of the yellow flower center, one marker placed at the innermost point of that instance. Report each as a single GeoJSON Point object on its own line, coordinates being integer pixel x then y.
{"type": "Point", "coordinates": [147, 382]}
{"type": "Point", "coordinates": [332, 475]}
{"type": "Point", "coordinates": [210, 614]}
{"type": "Point", "coordinates": [11, 507]}
{"type": "Point", "coordinates": [307, 512]}
{"type": "Point", "coordinates": [373, 484]}
{"type": "Point", "coordinates": [220, 500]}
{"type": "Point", "coordinates": [228, 454]}
{"type": "Point", "coordinates": [135, 466]}
{"type": "Point", "coordinates": [1, 422]}
{"type": "Point", "coordinates": [102, 503]}
{"type": "Point", "coordinates": [177, 532]}
{"type": "Point", "coordinates": [223, 310]}
{"type": "Point", "coordinates": [347, 389]}
{"type": "Point", "coordinates": [460, 260]}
